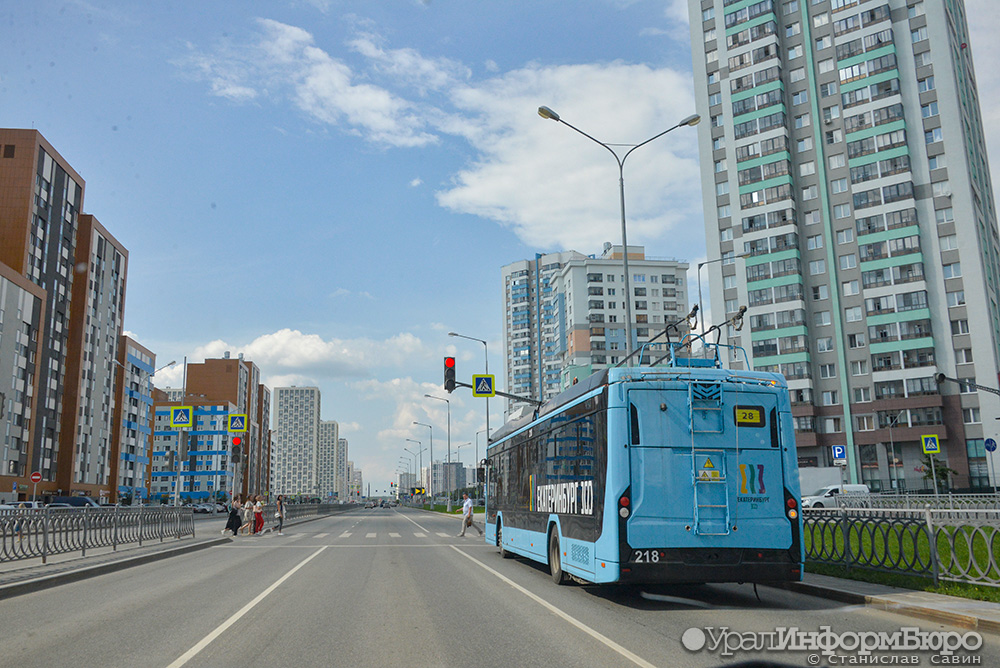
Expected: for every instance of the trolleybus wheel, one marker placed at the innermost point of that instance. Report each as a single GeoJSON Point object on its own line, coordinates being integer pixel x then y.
{"type": "Point", "coordinates": [555, 564]}
{"type": "Point", "coordinates": [504, 553]}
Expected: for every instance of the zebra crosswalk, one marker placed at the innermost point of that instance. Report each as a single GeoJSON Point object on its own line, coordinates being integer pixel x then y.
{"type": "Point", "coordinates": [374, 535]}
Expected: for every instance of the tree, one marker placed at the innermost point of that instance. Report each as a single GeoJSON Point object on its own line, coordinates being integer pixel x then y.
{"type": "Point", "coordinates": [940, 469]}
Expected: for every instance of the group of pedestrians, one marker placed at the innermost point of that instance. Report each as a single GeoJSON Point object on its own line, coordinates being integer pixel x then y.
{"type": "Point", "coordinates": [247, 517]}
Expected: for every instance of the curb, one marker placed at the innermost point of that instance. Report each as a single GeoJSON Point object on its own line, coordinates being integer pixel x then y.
{"type": "Point", "coordinates": [85, 572]}
{"type": "Point", "coordinates": [892, 605]}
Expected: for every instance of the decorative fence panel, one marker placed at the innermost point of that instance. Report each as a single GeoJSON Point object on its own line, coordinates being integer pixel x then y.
{"type": "Point", "coordinates": [961, 545]}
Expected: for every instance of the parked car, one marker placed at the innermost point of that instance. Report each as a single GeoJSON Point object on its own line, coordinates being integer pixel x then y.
{"type": "Point", "coordinates": [74, 501]}
{"type": "Point", "coordinates": [824, 496]}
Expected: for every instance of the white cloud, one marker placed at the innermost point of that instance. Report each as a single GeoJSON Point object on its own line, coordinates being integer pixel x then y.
{"type": "Point", "coordinates": [549, 185]}
{"type": "Point", "coordinates": [554, 187]}
{"type": "Point", "coordinates": [416, 182]}
{"type": "Point", "coordinates": [291, 355]}
{"type": "Point", "coordinates": [407, 66]}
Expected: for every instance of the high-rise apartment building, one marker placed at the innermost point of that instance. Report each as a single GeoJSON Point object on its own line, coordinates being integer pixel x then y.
{"type": "Point", "coordinates": [342, 454]}
{"type": "Point", "coordinates": [22, 309]}
{"type": "Point", "coordinates": [326, 458]}
{"type": "Point", "coordinates": [295, 450]}
{"type": "Point", "coordinates": [97, 314]}
{"type": "Point", "coordinates": [41, 197]}
{"type": "Point", "coordinates": [564, 314]}
{"type": "Point", "coordinates": [132, 421]}
{"type": "Point", "coordinates": [849, 204]}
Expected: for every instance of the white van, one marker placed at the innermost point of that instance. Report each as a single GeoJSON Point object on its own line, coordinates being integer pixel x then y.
{"type": "Point", "coordinates": [824, 496]}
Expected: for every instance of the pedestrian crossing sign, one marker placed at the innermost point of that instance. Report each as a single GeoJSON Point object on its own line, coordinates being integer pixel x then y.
{"type": "Point", "coordinates": [237, 422]}
{"type": "Point", "coordinates": [484, 385]}
{"type": "Point", "coordinates": [181, 417]}
{"type": "Point", "coordinates": [932, 445]}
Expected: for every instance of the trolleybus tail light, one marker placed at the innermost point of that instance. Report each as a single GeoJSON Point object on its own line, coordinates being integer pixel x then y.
{"type": "Point", "coordinates": [793, 513]}
{"type": "Point", "coordinates": [623, 503]}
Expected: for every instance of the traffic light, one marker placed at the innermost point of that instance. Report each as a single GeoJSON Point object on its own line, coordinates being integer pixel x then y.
{"type": "Point", "coordinates": [236, 441]}
{"type": "Point", "coordinates": [449, 374]}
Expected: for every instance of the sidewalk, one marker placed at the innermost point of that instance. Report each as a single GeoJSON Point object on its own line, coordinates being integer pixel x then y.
{"type": "Point", "coordinates": [28, 575]}
{"type": "Point", "coordinates": [964, 612]}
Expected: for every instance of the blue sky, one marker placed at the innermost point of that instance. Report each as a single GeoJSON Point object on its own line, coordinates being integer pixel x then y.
{"type": "Point", "coordinates": [331, 187]}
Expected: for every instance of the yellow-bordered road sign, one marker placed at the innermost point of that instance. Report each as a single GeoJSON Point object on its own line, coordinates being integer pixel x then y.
{"type": "Point", "coordinates": [237, 422]}
{"type": "Point", "coordinates": [932, 445]}
{"type": "Point", "coordinates": [181, 416]}
{"type": "Point", "coordinates": [484, 385]}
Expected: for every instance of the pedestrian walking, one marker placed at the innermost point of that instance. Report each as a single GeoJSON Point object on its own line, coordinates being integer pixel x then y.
{"type": "Point", "coordinates": [247, 526]}
{"type": "Point", "coordinates": [19, 523]}
{"type": "Point", "coordinates": [233, 524]}
{"type": "Point", "coordinates": [279, 514]}
{"type": "Point", "coordinates": [258, 515]}
{"type": "Point", "coordinates": [467, 516]}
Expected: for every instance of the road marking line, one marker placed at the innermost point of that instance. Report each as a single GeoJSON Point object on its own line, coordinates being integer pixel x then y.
{"type": "Point", "coordinates": [346, 534]}
{"type": "Point", "coordinates": [444, 535]}
{"type": "Point", "coordinates": [420, 534]}
{"type": "Point", "coordinates": [393, 535]}
{"type": "Point", "coordinates": [204, 642]}
{"type": "Point", "coordinates": [637, 660]}
{"type": "Point", "coordinates": [370, 535]}
{"type": "Point", "coordinates": [321, 535]}
{"type": "Point", "coordinates": [414, 522]}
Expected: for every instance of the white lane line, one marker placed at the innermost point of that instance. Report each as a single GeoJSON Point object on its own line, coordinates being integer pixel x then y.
{"type": "Point", "coordinates": [637, 660]}
{"type": "Point", "coordinates": [370, 535]}
{"type": "Point", "coordinates": [393, 535]}
{"type": "Point", "coordinates": [412, 521]}
{"type": "Point", "coordinates": [346, 534]}
{"type": "Point", "coordinates": [321, 535]}
{"type": "Point", "coordinates": [444, 535]}
{"type": "Point", "coordinates": [204, 642]}
{"type": "Point", "coordinates": [419, 534]}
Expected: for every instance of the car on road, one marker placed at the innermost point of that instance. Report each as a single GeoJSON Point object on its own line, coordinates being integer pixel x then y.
{"type": "Point", "coordinates": [825, 497]}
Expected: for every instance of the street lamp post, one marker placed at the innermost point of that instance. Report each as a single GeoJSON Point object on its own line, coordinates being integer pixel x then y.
{"type": "Point", "coordinates": [419, 453]}
{"type": "Point", "coordinates": [458, 454]}
{"type": "Point", "coordinates": [486, 350]}
{"type": "Point", "coordinates": [692, 120]}
{"type": "Point", "coordinates": [447, 475]}
{"type": "Point", "coordinates": [430, 481]}
{"type": "Point", "coordinates": [893, 474]}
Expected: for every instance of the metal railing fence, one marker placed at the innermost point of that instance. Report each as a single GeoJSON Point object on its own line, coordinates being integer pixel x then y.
{"type": "Point", "coordinates": [919, 501]}
{"type": "Point", "coordinates": [959, 544]}
{"type": "Point", "coordinates": [31, 533]}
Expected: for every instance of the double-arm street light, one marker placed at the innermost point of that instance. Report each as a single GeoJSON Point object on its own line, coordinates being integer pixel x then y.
{"type": "Point", "coordinates": [430, 480]}
{"type": "Point", "coordinates": [487, 372]}
{"type": "Point", "coordinates": [692, 120]}
{"type": "Point", "coordinates": [447, 475]}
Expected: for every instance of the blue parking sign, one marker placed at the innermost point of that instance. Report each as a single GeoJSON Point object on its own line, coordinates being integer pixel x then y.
{"type": "Point", "coordinates": [839, 451]}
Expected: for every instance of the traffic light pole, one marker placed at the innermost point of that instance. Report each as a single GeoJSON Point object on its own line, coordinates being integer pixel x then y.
{"type": "Point", "coordinates": [526, 400]}
{"type": "Point", "coordinates": [967, 383]}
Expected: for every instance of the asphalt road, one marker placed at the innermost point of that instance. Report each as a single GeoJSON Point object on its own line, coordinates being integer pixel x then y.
{"type": "Point", "coordinates": [396, 587]}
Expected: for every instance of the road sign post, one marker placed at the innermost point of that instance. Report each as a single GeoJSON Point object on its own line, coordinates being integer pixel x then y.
{"type": "Point", "coordinates": [36, 477]}
{"type": "Point", "coordinates": [991, 446]}
{"type": "Point", "coordinates": [484, 385]}
{"type": "Point", "coordinates": [839, 453]}
{"type": "Point", "coordinates": [932, 446]}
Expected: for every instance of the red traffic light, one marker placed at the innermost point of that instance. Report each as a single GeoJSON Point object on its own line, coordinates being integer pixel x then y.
{"type": "Point", "coordinates": [449, 362]}
{"type": "Point", "coordinates": [449, 374]}
{"type": "Point", "coordinates": [237, 440]}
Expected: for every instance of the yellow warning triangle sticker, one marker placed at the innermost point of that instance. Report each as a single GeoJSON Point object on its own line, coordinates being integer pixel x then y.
{"type": "Point", "coordinates": [709, 464]}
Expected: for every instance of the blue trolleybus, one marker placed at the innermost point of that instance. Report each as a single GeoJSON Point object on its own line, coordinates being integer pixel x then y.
{"type": "Point", "coordinates": [678, 473]}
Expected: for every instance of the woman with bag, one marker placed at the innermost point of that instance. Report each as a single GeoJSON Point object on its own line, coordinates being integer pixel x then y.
{"type": "Point", "coordinates": [233, 524]}
{"type": "Point", "coordinates": [279, 514]}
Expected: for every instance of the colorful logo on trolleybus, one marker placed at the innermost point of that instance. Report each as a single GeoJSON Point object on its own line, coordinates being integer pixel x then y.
{"type": "Point", "coordinates": [752, 482]}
